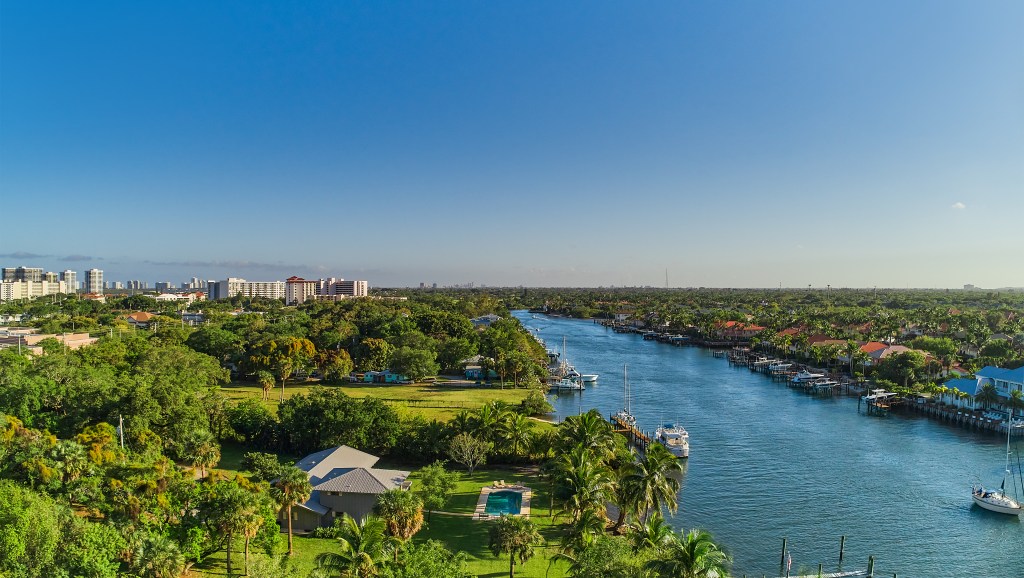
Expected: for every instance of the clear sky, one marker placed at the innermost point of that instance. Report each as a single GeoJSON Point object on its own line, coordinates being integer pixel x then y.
{"type": "Point", "coordinates": [746, 144]}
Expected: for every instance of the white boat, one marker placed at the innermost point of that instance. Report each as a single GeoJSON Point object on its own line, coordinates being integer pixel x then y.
{"type": "Point", "coordinates": [675, 439]}
{"type": "Point", "coordinates": [998, 500]}
{"type": "Point", "coordinates": [623, 415]}
{"type": "Point", "coordinates": [566, 384]}
{"type": "Point", "coordinates": [807, 376]}
{"type": "Point", "coordinates": [588, 377]}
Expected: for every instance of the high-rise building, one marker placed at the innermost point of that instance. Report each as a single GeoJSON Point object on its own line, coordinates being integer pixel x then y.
{"type": "Point", "coordinates": [31, 274]}
{"type": "Point", "coordinates": [298, 290]}
{"type": "Point", "coordinates": [233, 286]}
{"type": "Point", "coordinates": [163, 286]}
{"type": "Point", "coordinates": [70, 279]}
{"type": "Point", "coordinates": [352, 288]}
{"type": "Point", "coordinates": [30, 289]}
{"type": "Point", "coordinates": [194, 283]}
{"type": "Point", "coordinates": [115, 285]}
{"type": "Point", "coordinates": [94, 281]}
{"type": "Point", "coordinates": [136, 284]}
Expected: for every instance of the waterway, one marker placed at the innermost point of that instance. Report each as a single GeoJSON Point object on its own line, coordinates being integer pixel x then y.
{"type": "Point", "coordinates": [768, 462]}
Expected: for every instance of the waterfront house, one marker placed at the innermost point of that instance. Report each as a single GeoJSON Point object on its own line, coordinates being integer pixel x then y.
{"type": "Point", "coordinates": [736, 330]}
{"type": "Point", "coordinates": [1004, 380]}
{"type": "Point", "coordinates": [961, 392]}
{"type": "Point", "coordinates": [344, 482]}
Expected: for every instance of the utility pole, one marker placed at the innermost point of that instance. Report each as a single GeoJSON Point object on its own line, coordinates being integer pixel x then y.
{"type": "Point", "coordinates": [120, 429]}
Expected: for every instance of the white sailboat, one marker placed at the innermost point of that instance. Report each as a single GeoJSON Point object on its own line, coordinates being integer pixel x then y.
{"type": "Point", "coordinates": [624, 415]}
{"type": "Point", "coordinates": [998, 500]}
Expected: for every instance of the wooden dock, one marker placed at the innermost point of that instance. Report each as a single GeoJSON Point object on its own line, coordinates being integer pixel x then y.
{"type": "Point", "coordinates": [635, 435]}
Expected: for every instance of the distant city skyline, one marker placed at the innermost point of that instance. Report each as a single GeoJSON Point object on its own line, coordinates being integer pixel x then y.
{"type": "Point", "coordinates": [746, 144]}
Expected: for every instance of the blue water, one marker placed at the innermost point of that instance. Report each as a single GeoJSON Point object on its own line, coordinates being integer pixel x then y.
{"type": "Point", "coordinates": [503, 502]}
{"type": "Point", "coordinates": [767, 461]}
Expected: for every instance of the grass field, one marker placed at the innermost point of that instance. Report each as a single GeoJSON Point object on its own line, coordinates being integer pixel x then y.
{"type": "Point", "coordinates": [432, 401]}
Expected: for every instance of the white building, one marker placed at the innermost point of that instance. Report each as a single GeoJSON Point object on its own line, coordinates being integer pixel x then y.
{"type": "Point", "coordinates": [300, 290]}
{"type": "Point", "coordinates": [233, 286]}
{"type": "Point", "coordinates": [70, 278]}
{"type": "Point", "coordinates": [94, 281]}
{"type": "Point", "coordinates": [31, 289]}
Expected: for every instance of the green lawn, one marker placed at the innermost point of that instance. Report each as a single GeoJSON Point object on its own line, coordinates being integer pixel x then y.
{"type": "Point", "coordinates": [471, 536]}
{"type": "Point", "coordinates": [432, 401]}
{"type": "Point", "coordinates": [306, 551]}
{"type": "Point", "coordinates": [458, 532]}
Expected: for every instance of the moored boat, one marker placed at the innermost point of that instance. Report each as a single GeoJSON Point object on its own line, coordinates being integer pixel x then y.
{"type": "Point", "coordinates": [675, 439]}
{"type": "Point", "coordinates": [805, 375]}
{"type": "Point", "coordinates": [998, 500]}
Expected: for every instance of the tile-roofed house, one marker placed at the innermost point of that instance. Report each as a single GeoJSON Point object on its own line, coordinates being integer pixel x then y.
{"type": "Point", "coordinates": [872, 346]}
{"type": "Point", "coordinates": [737, 329]}
{"type": "Point", "coordinates": [140, 319]}
{"type": "Point", "coordinates": [344, 482]}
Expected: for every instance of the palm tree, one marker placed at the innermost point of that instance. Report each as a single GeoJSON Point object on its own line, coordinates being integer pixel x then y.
{"type": "Point", "coordinates": [649, 475]}
{"type": "Point", "coordinates": [582, 533]}
{"type": "Point", "coordinates": [987, 395]}
{"type": "Point", "coordinates": [1016, 401]}
{"type": "Point", "coordinates": [292, 487]}
{"type": "Point", "coordinates": [402, 512]}
{"type": "Point", "coordinates": [363, 547]}
{"type": "Point", "coordinates": [72, 462]}
{"type": "Point", "coordinates": [514, 431]}
{"type": "Point", "coordinates": [581, 483]}
{"type": "Point", "coordinates": [158, 556]}
{"type": "Point", "coordinates": [694, 555]}
{"type": "Point", "coordinates": [515, 536]}
{"type": "Point", "coordinates": [200, 450]}
{"type": "Point", "coordinates": [486, 422]}
{"type": "Point", "coordinates": [266, 381]}
{"type": "Point", "coordinates": [654, 533]}
{"type": "Point", "coordinates": [589, 430]}
{"type": "Point", "coordinates": [624, 496]}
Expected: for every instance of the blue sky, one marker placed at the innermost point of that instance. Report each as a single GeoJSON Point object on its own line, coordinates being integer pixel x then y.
{"type": "Point", "coordinates": [593, 143]}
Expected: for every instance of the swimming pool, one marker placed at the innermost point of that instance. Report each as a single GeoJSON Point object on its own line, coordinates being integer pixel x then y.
{"type": "Point", "coordinates": [503, 502]}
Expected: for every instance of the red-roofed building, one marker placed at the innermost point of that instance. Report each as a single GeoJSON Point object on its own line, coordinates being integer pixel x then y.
{"type": "Point", "coordinates": [737, 329]}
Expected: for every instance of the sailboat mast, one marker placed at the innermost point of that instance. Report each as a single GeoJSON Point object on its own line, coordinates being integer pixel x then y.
{"type": "Point", "coordinates": [1006, 470]}
{"type": "Point", "coordinates": [625, 380]}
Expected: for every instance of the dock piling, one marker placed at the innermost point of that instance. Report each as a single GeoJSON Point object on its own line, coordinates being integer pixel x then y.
{"type": "Point", "coordinates": [782, 560]}
{"type": "Point", "coordinates": [842, 547]}
{"type": "Point", "coordinates": [871, 567]}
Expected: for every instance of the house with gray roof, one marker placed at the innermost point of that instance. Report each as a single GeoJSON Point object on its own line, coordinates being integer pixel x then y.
{"type": "Point", "coordinates": [344, 482]}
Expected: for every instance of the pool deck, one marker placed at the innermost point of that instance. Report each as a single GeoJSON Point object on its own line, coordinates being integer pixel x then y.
{"type": "Point", "coordinates": [481, 503]}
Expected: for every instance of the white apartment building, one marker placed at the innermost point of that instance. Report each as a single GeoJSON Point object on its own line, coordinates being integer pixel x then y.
{"type": "Point", "coordinates": [233, 286]}
{"type": "Point", "coordinates": [70, 278]}
{"type": "Point", "coordinates": [94, 281]}
{"type": "Point", "coordinates": [31, 289]}
{"type": "Point", "coordinates": [300, 290]}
